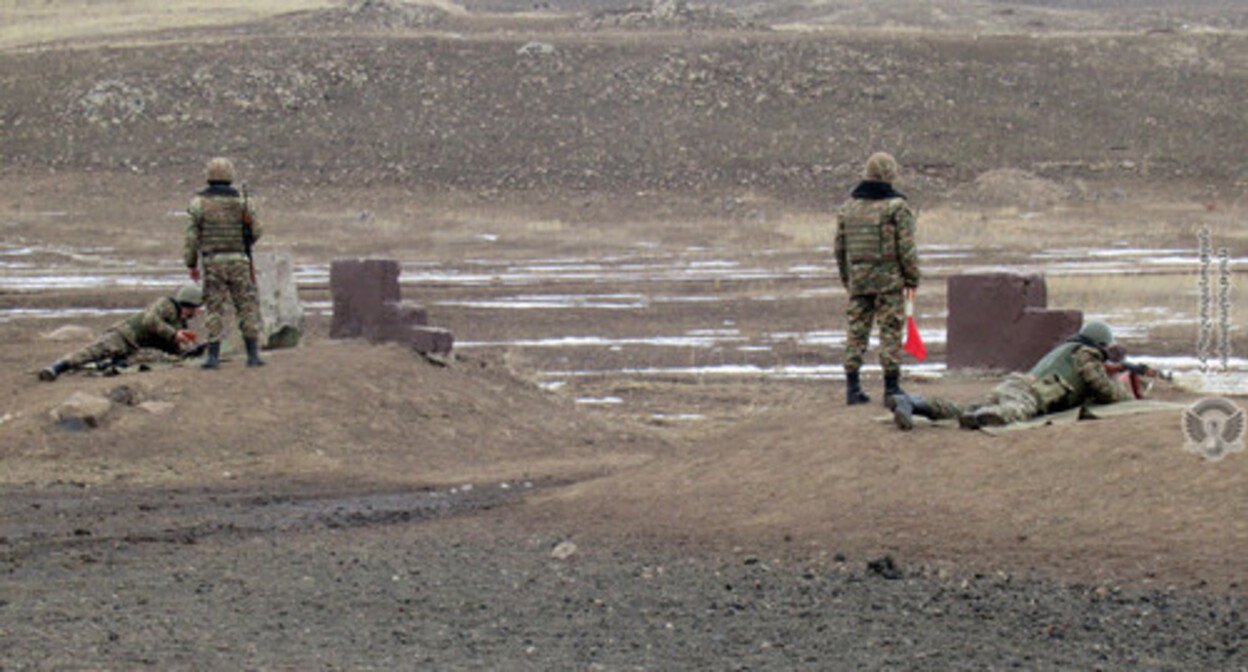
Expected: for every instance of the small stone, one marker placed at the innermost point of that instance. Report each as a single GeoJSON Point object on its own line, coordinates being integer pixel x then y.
{"type": "Point", "coordinates": [885, 567]}
{"type": "Point", "coordinates": [157, 407]}
{"type": "Point", "coordinates": [124, 395]}
{"type": "Point", "coordinates": [564, 550]}
{"type": "Point", "coordinates": [536, 49]}
{"type": "Point", "coordinates": [82, 411]}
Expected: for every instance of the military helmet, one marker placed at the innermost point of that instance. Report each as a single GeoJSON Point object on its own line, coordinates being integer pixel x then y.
{"type": "Point", "coordinates": [1098, 333]}
{"type": "Point", "coordinates": [881, 167]}
{"type": "Point", "coordinates": [190, 295]}
{"type": "Point", "coordinates": [220, 169]}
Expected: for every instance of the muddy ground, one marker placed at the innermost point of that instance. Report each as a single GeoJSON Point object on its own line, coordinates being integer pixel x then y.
{"type": "Point", "coordinates": [639, 457]}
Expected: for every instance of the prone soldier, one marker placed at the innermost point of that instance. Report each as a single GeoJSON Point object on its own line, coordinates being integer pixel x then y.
{"type": "Point", "coordinates": [1068, 376]}
{"type": "Point", "coordinates": [161, 325]}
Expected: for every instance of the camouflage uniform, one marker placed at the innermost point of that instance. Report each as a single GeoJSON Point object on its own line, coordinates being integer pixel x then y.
{"type": "Point", "coordinates": [214, 239]}
{"type": "Point", "coordinates": [153, 327]}
{"type": "Point", "coordinates": [1070, 375]}
{"type": "Point", "coordinates": [877, 258]}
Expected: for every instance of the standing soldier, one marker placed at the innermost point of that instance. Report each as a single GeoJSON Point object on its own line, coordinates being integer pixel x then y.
{"type": "Point", "coordinates": [879, 267]}
{"type": "Point", "coordinates": [161, 325]}
{"type": "Point", "coordinates": [219, 236]}
{"type": "Point", "coordinates": [1070, 375]}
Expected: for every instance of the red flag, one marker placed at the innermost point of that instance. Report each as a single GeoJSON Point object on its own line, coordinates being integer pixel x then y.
{"type": "Point", "coordinates": [914, 342]}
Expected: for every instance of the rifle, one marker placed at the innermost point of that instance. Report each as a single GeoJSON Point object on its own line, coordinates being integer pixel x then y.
{"type": "Point", "coordinates": [197, 351]}
{"type": "Point", "coordinates": [1136, 368]}
{"type": "Point", "coordinates": [249, 238]}
{"type": "Point", "coordinates": [1136, 377]}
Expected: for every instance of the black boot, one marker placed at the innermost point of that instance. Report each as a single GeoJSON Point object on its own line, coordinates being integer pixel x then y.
{"type": "Point", "coordinates": [892, 388]}
{"type": "Point", "coordinates": [253, 352]}
{"type": "Point", "coordinates": [853, 390]}
{"type": "Point", "coordinates": [988, 416]}
{"type": "Point", "coordinates": [905, 407]}
{"type": "Point", "coordinates": [213, 361]}
{"type": "Point", "coordinates": [50, 374]}
{"type": "Point", "coordinates": [968, 420]}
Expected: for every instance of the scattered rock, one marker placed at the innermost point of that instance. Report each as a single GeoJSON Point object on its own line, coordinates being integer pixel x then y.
{"type": "Point", "coordinates": [885, 567]}
{"type": "Point", "coordinates": [667, 14]}
{"type": "Point", "coordinates": [157, 407]}
{"type": "Point", "coordinates": [82, 411]}
{"type": "Point", "coordinates": [375, 15]}
{"type": "Point", "coordinates": [536, 49]}
{"type": "Point", "coordinates": [124, 395]}
{"type": "Point", "coordinates": [113, 101]}
{"type": "Point", "coordinates": [564, 550]}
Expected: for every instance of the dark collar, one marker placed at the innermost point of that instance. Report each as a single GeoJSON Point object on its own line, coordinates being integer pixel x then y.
{"type": "Point", "coordinates": [220, 189]}
{"type": "Point", "coordinates": [873, 190]}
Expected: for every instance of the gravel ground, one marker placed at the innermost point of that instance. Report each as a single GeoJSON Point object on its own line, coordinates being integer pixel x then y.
{"type": "Point", "coordinates": [472, 591]}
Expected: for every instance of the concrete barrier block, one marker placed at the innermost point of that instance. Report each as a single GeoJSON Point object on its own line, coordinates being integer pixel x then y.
{"type": "Point", "coordinates": [361, 288]}
{"type": "Point", "coordinates": [1040, 330]}
{"type": "Point", "coordinates": [397, 319]}
{"type": "Point", "coordinates": [431, 340]}
{"type": "Point", "coordinates": [367, 305]}
{"type": "Point", "coordinates": [1000, 321]}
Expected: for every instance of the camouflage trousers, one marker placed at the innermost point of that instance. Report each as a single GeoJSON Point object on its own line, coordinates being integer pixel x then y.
{"type": "Point", "coordinates": [1012, 399]}
{"type": "Point", "coordinates": [864, 309]}
{"type": "Point", "coordinates": [112, 345]}
{"type": "Point", "coordinates": [228, 280]}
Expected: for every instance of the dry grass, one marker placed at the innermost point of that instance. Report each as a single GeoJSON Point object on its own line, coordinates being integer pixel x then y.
{"type": "Point", "coordinates": [1069, 226]}
{"type": "Point", "coordinates": [1003, 228]}
{"type": "Point", "coordinates": [808, 229]}
{"type": "Point", "coordinates": [1078, 225]}
{"type": "Point", "coordinates": [1177, 290]}
{"type": "Point", "coordinates": [26, 22]}
{"type": "Point", "coordinates": [1162, 309]}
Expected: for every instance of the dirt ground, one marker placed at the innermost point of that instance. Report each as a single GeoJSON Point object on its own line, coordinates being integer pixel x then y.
{"type": "Point", "coordinates": [614, 502]}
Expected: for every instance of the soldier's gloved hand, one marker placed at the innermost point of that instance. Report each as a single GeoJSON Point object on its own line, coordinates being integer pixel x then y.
{"type": "Point", "coordinates": [194, 272]}
{"type": "Point", "coordinates": [185, 339]}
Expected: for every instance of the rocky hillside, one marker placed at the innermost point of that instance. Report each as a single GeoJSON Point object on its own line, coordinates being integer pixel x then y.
{"type": "Point", "coordinates": [402, 94]}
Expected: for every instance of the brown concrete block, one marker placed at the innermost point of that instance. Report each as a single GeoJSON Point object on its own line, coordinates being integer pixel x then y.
{"type": "Point", "coordinates": [367, 305]}
{"type": "Point", "coordinates": [431, 340]}
{"type": "Point", "coordinates": [405, 312]}
{"type": "Point", "coordinates": [397, 318]}
{"type": "Point", "coordinates": [1000, 321]}
{"type": "Point", "coordinates": [1038, 331]}
{"type": "Point", "coordinates": [361, 288]}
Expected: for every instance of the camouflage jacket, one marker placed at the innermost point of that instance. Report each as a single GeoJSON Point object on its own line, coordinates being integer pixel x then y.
{"type": "Point", "coordinates": [216, 223]}
{"type": "Point", "coordinates": [154, 326]}
{"type": "Point", "coordinates": [875, 248]}
{"type": "Point", "coordinates": [1073, 374]}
